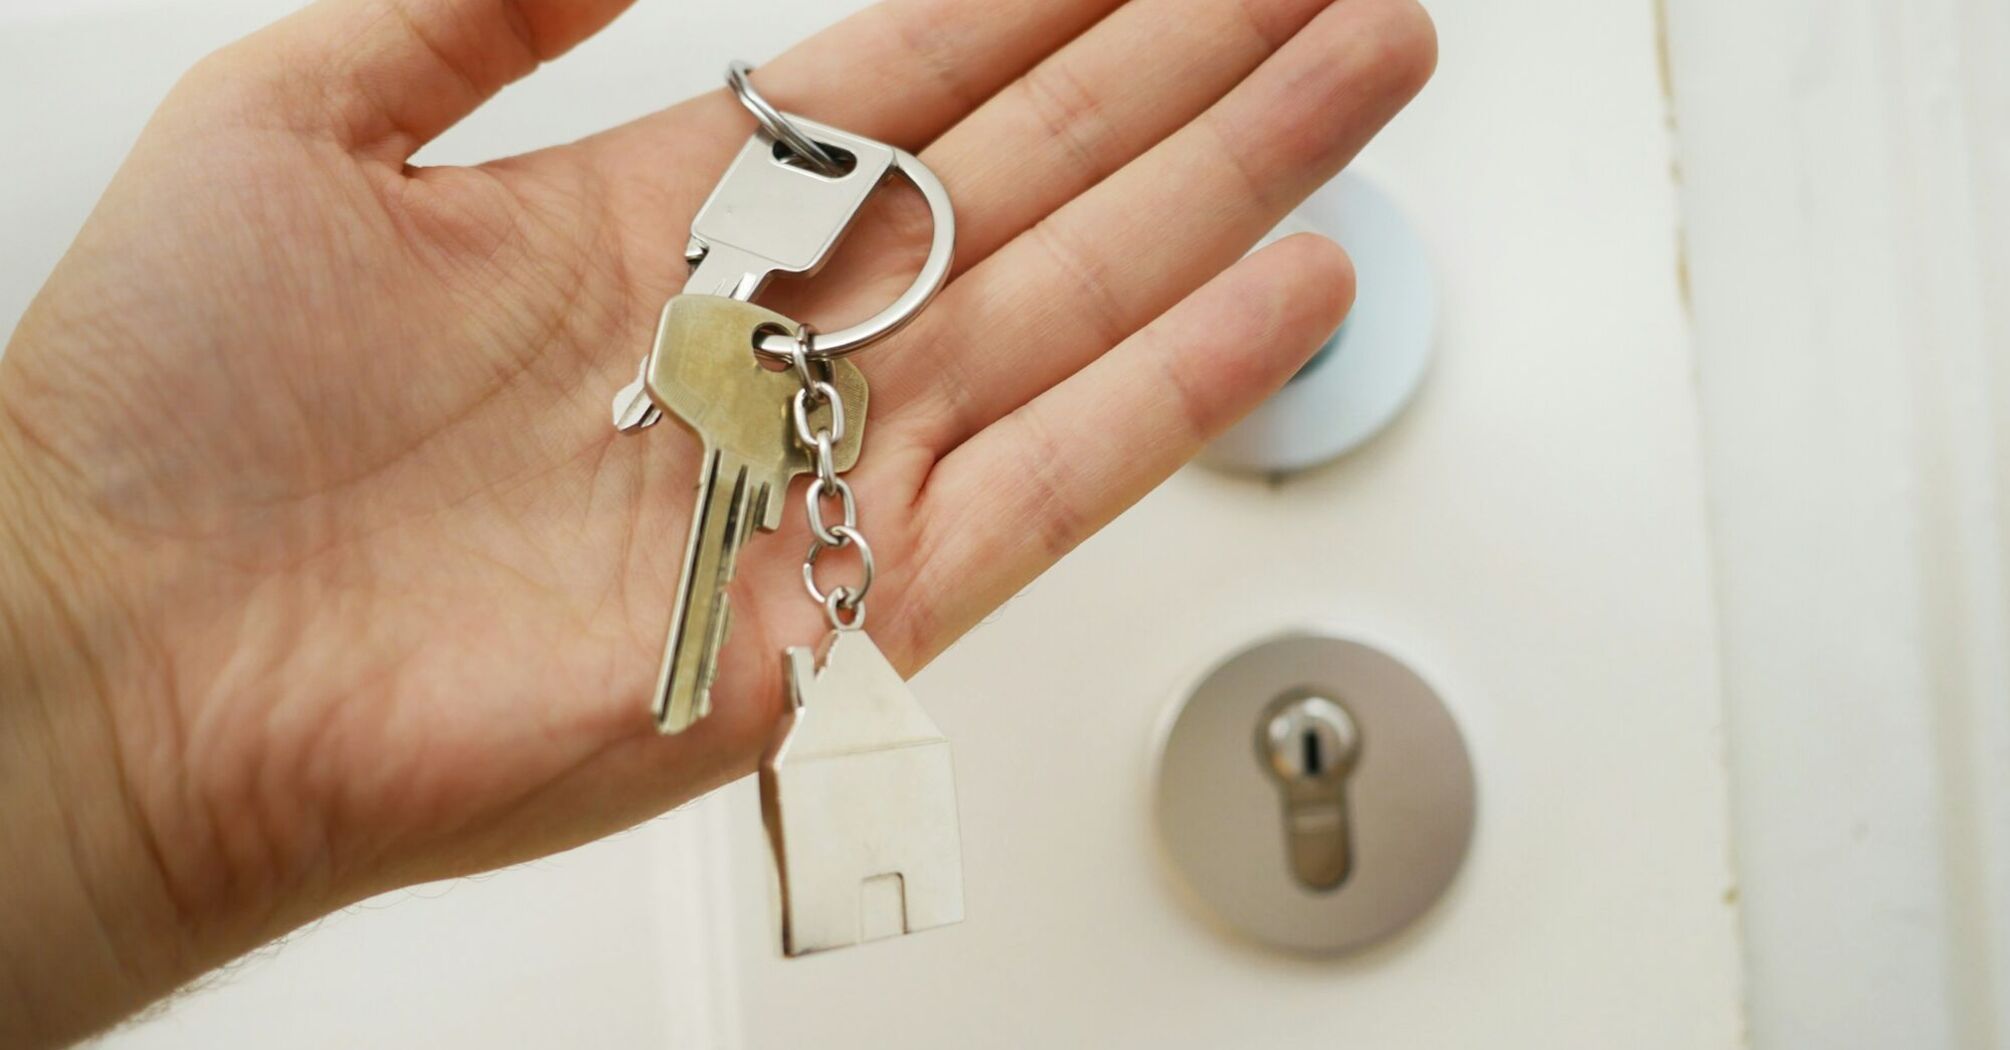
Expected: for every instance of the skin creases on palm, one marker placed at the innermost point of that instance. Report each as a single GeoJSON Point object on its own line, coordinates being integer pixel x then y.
{"type": "Point", "coordinates": [389, 458]}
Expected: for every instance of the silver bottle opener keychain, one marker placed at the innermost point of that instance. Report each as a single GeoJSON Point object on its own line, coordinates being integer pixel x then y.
{"type": "Point", "coordinates": [857, 790]}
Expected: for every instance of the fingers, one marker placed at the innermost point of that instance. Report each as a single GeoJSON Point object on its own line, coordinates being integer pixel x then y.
{"type": "Point", "coordinates": [900, 71]}
{"type": "Point", "coordinates": [1094, 271]}
{"type": "Point", "coordinates": [1079, 114]}
{"type": "Point", "coordinates": [1093, 106]}
{"type": "Point", "coordinates": [385, 77]}
{"type": "Point", "coordinates": [1014, 498]}
{"type": "Point", "coordinates": [904, 70]}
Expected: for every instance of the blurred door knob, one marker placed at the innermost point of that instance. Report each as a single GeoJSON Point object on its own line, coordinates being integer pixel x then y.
{"type": "Point", "coordinates": [1359, 382]}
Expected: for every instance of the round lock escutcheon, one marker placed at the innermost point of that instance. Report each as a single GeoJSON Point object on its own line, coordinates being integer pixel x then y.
{"type": "Point", "coordinates": [1372, 367]}
{"type": "Point", "coordinates": [1315, 794]}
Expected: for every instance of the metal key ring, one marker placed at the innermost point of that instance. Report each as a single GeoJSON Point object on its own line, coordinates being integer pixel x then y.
{"type": "Point", "coordinates": [777, 124]}
{"type": "Point", "coordinates": [782, 346]}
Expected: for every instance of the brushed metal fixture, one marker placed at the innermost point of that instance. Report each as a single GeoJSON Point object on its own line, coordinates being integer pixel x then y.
{"type": "Point", "coordinates": [1350, 818]}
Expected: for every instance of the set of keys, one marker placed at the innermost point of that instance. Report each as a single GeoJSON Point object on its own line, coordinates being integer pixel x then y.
{"type": "Point", "coordinates": [857, 791]}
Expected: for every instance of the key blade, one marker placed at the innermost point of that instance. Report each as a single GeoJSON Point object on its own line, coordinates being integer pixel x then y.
{"type": "Point", "coordinates": [729, 505]}
{"type": "Point", "coordinates": [703, 373]}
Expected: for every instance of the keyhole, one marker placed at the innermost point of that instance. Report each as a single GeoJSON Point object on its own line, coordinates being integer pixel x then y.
{"type": "Point", "coordinates": [1308, 743]}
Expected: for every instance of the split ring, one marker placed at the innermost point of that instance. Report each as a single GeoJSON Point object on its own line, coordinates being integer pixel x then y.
{"type": "Point", "coordinates": [777, 124]}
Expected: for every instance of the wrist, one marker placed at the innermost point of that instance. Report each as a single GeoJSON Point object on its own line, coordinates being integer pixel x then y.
{"type": "Point", "coordinates": [89, 930]}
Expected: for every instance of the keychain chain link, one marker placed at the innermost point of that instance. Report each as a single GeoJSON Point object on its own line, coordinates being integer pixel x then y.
{"type": "Point", "coordinates": [844, 604]}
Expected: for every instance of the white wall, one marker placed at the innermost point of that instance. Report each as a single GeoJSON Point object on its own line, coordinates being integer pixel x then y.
{"type": "Point", "coordinates": [1847, 203]}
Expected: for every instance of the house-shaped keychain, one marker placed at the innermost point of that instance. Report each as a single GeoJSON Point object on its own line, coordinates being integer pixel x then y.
{"type": "Point", "coordinates": [859, 799]}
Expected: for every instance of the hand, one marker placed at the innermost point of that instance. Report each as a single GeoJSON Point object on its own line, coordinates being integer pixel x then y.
{"type": "Point", "coordinates": [326, 572]}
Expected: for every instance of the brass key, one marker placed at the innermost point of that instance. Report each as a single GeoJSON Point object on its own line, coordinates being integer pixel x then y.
{"type": "Point", "coordinates": [704, 372]}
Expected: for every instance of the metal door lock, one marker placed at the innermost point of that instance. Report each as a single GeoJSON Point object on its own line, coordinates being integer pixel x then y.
{"type": "Point", "coordinates": [1310, 745]}
{"type": "Point", "coordinates": [1350, 818]}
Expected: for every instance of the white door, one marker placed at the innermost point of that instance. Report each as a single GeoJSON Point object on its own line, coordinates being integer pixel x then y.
{"type": "Point", "coordinates": [1564, 534]}
{"type": "Point", "coordinates": [1531, 537]}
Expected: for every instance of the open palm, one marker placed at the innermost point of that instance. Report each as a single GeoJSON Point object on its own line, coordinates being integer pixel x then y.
{"type": "Point", "coordinates": [333, 429]}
